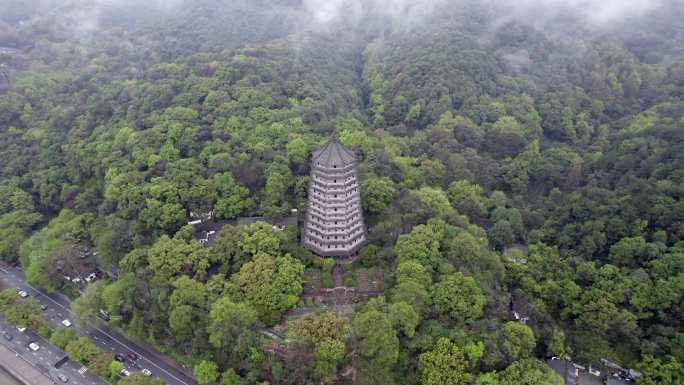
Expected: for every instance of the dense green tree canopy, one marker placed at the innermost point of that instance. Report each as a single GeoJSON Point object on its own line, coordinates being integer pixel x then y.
{"type": "Point", "coordinates": [508, 161]}
{"type": "Point", "coordinates": [458, 297]}
{"type": "Point", "coordinates": [529, 372]}
{"type": "Point", "coordinates": [445, 364]}
{"type": "Point", "coordinates": [271, 285]}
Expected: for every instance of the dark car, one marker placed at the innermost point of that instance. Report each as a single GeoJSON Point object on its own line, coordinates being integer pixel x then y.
{"type": "Point", "coordinates": [7, 336]}
{"type": "Point", "coordinates": [120, 357]}
{"type": "Point", "coordinates": [132, 356]}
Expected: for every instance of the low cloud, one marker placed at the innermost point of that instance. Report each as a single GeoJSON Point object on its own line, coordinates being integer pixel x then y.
{"type": "Point", "coordinates": [591, 12]}
{"type": "Point", "coordinates": [538, 12]}
{"type": "Point", "coordinates": [402, 12]}
{"type": "Point", "coordinates": [85, 16]}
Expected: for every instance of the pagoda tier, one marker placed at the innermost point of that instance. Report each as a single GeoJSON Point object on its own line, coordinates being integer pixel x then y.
{"type": "Point", "coordinates": [333, 224]}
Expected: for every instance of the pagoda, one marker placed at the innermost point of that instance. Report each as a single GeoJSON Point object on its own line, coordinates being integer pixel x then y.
{"type": "Point", "coordinates": [333, 224]}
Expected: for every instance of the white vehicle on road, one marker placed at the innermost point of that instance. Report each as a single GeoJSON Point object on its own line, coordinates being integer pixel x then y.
{"type": "Point", "coordinates": [66, 323]}
{"type": "Point", "coordinates": [21, 328]}
{"type": "Point", "coordinates": [34, 346]}
{"type": "Point", "coordinates": [22, 294]}
{"type": "Point", "coordinates": [91, 277]}
{"type": "Point", "coordinates": [146, 372]}
{"type": "Point", "coordinates": [124, 372]}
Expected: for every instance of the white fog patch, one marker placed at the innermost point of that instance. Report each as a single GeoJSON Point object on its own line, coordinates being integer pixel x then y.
{"type": "Point", "coordinates": [324, 12]}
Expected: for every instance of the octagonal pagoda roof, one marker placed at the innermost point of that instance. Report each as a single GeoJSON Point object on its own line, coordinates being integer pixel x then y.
{"type": "Point", "coordinates": [333, 154]}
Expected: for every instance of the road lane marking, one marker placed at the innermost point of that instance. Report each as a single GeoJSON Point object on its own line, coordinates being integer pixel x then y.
{"type": "Point", "coordinates": [148, 360]}
{"type": "Point", "coordinates": [107, 334]}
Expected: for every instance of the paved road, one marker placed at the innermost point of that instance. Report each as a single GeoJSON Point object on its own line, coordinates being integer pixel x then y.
{"type": "Point", "coordinates": [46, 357]}
{"type": "Point", "coordinates": [59, 308]}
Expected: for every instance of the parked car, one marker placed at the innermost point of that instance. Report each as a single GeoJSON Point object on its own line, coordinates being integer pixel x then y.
{"type": "Point", "coordinates": [34, 346]}
{"type": "Point", "coordinates": [66, 323]}
{"type": "Point", "coordinates": [132, 356]}
{"type": "Point", "coordinates": [43, 306]}
{"type": "Point", "coordinates": [91, 277]}
{"type": "Point", "coordinates": [76, 280]}
{"type": "Point", "coordinates": [146, 372]}
{"type": "Point", "coordinates": [22, 294]}
{"type": "Point", "coordinates": [21, 328]}
{"type": "Point", "coordinates": [120, 357]}
{"type": "Point", "coordinates": [63, 378]}
{"type": "Point", "coordinates": [124, 372]}
{"type": "Point", "coordinates": [7, 336]}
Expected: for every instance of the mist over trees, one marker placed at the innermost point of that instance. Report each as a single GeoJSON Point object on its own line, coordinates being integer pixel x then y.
{"type": "Point", "coordinates": [521, 155]}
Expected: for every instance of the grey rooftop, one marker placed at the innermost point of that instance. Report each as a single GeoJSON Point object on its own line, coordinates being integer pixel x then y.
{"type": "Point", "coordinates": [333, 155]}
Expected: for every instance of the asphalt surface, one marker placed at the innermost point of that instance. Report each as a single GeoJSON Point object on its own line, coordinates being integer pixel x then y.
{"type": "Point", "coordinates": [59, 308]}
{"type": "Point", "coordinates": [46, 357]}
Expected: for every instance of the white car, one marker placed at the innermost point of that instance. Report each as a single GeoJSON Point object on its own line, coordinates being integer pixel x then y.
{"type": "Point", "coordinates": [34, 346]}
{"type": "Point", "coordinates": [21, 328]}
{"type": "Point", "coordinates": [22, 294]}
{"type": "Point", "coordinates": [76, 280]}
{"type": "Point", "coordinates": [124, 372]}
{"type": "Point", "coordinates": [91, 277]}
{"type": "Point", "coordinates": [66, 323]}
{"type": "Point", "coordinates": [146, 372]}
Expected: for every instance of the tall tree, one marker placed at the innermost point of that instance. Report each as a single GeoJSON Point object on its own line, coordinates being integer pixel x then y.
{"type": "Point", "coordinates": [271, 285]}
{"type": "Point", "coordinates": [378, 347]}
{"type": "Point", "coordinates": [458, 297]}
{"type": "Point", "coordinates": [445, 364]}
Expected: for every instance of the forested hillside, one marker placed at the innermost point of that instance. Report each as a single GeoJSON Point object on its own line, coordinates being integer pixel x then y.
{"type": "Point", "coordinates": [506, 163]}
